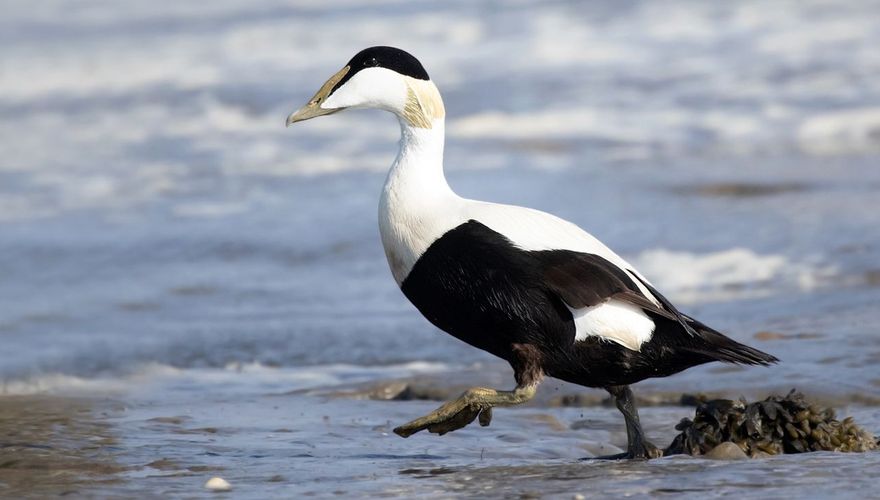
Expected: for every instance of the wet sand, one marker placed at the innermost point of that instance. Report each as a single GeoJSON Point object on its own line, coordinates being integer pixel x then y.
{"type": "Point", "coordinates": [338, 441]}
{"type": "Point", "coordinates": [57, 446]}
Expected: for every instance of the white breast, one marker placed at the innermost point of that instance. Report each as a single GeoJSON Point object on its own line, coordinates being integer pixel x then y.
{"type": "Point", "coordinates": [417, 206]}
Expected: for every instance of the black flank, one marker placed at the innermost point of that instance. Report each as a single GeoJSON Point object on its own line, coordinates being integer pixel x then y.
{"type": "Point", "coordinates": [474, 284]}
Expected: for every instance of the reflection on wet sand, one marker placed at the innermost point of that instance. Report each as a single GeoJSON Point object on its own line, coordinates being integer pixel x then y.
{"type": "Point", "coordinates": [56, 446]}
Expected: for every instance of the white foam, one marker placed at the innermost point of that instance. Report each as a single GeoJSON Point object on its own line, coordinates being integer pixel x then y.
{"type": "Point", "coordinates": [668, 128]}
{"type": "Point", "coordinates": [248, 377]}
{"type": "Point", "coordinates": [737, 273]}
{"type": "Point", "coordinates": [854, 130]}
{"type": "Point", "coordinates": [91, 116]}
{"type": "Point", "coordinates": [59, 383]}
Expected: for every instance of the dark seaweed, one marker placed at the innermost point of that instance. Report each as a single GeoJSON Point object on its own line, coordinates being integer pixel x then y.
{"type": "Point", "coordinates": [778, 424]}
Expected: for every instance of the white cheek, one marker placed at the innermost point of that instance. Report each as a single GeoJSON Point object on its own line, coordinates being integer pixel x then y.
{"type": "Point", "coordinates": [370, 88]}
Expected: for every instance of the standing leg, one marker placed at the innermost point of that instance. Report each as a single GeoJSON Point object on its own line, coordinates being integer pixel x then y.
{"type": "Point", "coordinates": [636, 443]}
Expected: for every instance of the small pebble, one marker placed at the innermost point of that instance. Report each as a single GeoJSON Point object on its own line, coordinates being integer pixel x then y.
{"type": "Point", "coordinates": [726, 451]}
{"type": "Point", "coordinates": [579, 497]}
{"type": "Point", "coordinates": [218, 484]}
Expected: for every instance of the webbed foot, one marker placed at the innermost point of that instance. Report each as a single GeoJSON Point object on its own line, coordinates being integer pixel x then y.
{"type": "Point", "coordinates": [475, 403]}
{"type": "Point", "coordinates": [638, 447]}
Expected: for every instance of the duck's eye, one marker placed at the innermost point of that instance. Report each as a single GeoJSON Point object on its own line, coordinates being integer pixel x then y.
{"type": "Point", "coordinates": [371, 62]}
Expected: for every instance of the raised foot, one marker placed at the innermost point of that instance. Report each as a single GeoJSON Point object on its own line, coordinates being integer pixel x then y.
{"type": "Point", "coordinates": [645, 452]}
{"type": "Point", "coordinates": [452, 415]}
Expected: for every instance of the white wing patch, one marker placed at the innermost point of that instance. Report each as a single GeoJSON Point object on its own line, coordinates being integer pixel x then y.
{"type": "Point", "coordinates": [615, 321]}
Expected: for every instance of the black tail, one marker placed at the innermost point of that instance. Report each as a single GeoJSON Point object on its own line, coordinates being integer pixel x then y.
{"type": "Point", "coordinates": [722, 348]}
{"type": "Point", "coordinates": [715, 345]}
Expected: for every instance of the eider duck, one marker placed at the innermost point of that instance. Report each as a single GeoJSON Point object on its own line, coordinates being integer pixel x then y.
{"type": "Point", "coordinates": [524, 285]}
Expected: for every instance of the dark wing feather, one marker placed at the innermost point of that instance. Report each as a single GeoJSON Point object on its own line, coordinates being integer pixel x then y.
{"type": "Point", "coordinates": [585, 280]}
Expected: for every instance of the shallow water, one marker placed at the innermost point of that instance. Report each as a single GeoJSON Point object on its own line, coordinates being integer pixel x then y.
{"type": "Point", "coordinates": [204, 283]}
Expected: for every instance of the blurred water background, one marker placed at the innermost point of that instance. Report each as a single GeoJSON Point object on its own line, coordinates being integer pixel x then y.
{"type": "Point", "coordinates": [169, 248]}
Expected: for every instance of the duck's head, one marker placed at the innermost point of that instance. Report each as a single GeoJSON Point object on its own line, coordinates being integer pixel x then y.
{"type": "Point", "coordinates": [378, 77]}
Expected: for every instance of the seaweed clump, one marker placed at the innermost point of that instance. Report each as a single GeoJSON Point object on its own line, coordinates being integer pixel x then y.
{"type": "Point", "coordinates": [773, 426]}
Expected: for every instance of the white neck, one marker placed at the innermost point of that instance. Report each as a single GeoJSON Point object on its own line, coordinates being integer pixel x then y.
{"type": "Point", "coordinates": [417, 203]}
{"type": "Point", "coordinates": [418, 167]}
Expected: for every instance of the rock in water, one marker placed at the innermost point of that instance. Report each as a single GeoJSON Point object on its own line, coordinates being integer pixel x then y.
{"type": "Point", "coordinates": [727, 451]}
{"type": "Point", "coordinates": [773, 426]}
{"type": "Point", "coordinates": [218, 484]}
